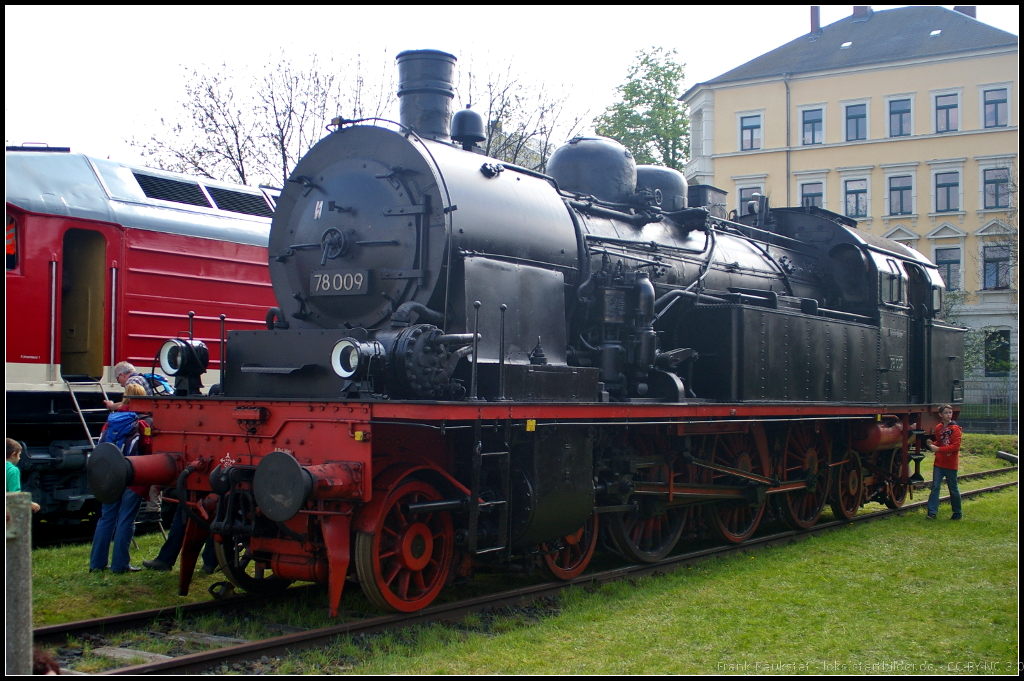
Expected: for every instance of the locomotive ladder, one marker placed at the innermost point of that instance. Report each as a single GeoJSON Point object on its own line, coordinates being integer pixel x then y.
{"type": "Point", "coordinates": [78, 408]}
{"type": "Point", "coordinates": [476, 507]}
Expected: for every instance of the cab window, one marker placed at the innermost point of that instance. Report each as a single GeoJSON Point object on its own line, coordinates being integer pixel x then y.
{"type": "Point", "coordinates": [892, 284]}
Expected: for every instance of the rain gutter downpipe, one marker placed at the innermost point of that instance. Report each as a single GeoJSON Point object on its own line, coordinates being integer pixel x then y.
{"type": "Point", "coordinates": [789, 132]}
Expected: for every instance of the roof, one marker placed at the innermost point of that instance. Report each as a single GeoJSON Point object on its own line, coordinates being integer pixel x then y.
{"type": "Point", "coordinates": [62, 183]}
{"type": "Point", "coordinates": [883, 36]}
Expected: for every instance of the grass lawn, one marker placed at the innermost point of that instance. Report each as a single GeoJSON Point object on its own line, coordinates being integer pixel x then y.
{"type": "Point", "coordinates": [63, 589]}
{"type": "Point", "coordinates": [893, 596]}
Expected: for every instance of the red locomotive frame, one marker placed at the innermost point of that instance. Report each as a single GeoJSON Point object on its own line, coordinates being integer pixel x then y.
{"type": "Point", "coordinates": [381, 451]}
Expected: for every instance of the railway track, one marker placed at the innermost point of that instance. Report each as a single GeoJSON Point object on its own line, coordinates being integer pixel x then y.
{"type": "Point", "coordinates": [970, 476]}
{"type": "Point", "coordinates": [233, 651]}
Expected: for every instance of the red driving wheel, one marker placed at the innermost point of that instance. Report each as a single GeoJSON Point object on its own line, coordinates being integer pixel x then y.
{"type": "Point", "coordinates": [807, 456]}
{"type": "Point", "coordinates": [736, 521]}
{"type": "Point", "coordinates": [404, 563]}
{"type": "Point", "coordinates": [568, 557]}
{"type": "Point", "coordinates": [848, 492]}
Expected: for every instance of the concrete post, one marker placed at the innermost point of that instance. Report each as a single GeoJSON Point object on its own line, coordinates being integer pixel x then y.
{"type": "Point", "coordinates": [19, 583]}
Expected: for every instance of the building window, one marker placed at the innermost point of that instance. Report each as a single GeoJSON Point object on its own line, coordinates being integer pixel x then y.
{"type": "Point", "coordinates": [997, 353]}
{"type": "Point", "coordinates": [746, 197]}
{"type": "Point", "coordinates": [813, 130]}
{"type": "Point", "coordinates": [857, 198]}
{"type": "Point", "coordinates": [900, 200]}
{"type": "Point", "coordinates": [995, 108]}
{"type": "Point", "coordinates": [997, 267]}
{"type": "Point", "coordinates": [947, 192]}
{"type": "Point", "coordinates": [856, 122]}
{"type": "Point", "coordinates": [750, 133]}
{"type": "Point", "coordinates": [946, 113]}
{"type": "Point", "coordinates": [997, 188]}
{"type": "Point", "coordinates": [948, 261]}
{"type": "Point", "coordinates": [812, 194]}
{"type": "Point", "coordinates": [899, 118]}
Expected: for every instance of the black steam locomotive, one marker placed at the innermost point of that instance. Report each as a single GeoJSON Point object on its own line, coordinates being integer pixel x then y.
{"type": "Point", "coordinates": [472, 361]}
{"type": "Point", "coordinates": [610, 281]}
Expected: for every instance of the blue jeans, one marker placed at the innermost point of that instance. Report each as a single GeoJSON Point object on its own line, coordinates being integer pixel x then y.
{"type": "Point", "coordinates": [117, 521]}
{"type": "Point", "coordinates": [938, 473]}
{"type": "Point", "coordinates": [176, 537]}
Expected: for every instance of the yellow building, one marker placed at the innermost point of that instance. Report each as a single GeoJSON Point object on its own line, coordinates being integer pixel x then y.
{"type": "Point", "coordinates": [905, 119]}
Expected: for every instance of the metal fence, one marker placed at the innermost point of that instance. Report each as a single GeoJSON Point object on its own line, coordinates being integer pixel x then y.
{"type": "Point", "coordinates": [990, 405]}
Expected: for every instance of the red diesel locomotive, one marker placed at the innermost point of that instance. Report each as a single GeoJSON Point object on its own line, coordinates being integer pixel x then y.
{"type": "Point", "coordinates": [104, 262]}
{"type": "Point", "coordinates": [474, 363]}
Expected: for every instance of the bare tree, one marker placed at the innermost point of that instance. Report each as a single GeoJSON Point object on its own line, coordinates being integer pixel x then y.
{"type": "Point", "coordinates": [254, 129]}
{"type": "Point", "coordinates": [216, 136]}
{"type": "Point", "coordinates": [371, 99]}
{"type": "Point", "coordinates": [292, 107]}
{"type": "Point", "coordinates": [521, 121]}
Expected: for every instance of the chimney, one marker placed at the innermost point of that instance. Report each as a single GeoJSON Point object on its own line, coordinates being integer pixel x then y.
{"type": "Point", "coordinates": [968, 10]}
{"type": "Point", "coordinates": [861, 11]}
{"type": "Point", "coordinates": [425, 92]}
{"type": "Point", "coordinates": [815, 18]}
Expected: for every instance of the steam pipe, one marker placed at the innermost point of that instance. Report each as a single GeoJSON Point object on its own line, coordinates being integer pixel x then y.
{"type": "Point", "coordinates": [476, 354]}
{"type": "Point", "coordinates": [501, 354]}
{"type": "Point", "coordinates": [458, 339]}
{"type": "Point", "coordinates": [667, 298]}
{"type": "Point", "coordinates": [453, 362]}
{"type": "Point", "coordinates": [401, 316]}
{"type": "Point", "coordinates": [638, 220]}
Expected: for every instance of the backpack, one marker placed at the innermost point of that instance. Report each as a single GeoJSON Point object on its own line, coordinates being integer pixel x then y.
{"type": "Point", "coordinates": [159, 384]}
{"type": "Point", "coordinates": [122, 429]}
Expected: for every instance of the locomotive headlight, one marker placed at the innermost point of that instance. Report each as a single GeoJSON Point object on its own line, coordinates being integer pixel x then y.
{"type": "Point", "coordinates": [345, 358]}
{"type": "Point", "coordinates": [180, 357]}
{"type": "Point", "coordinates": [351, 357]}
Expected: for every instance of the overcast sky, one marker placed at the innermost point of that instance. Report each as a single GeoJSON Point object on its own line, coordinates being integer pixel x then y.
{"type": "Point", "coordinates": [94, 77]}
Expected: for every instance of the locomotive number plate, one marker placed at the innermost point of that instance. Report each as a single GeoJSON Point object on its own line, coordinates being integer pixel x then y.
{"type": "Point", "coordinates": [338, 282]}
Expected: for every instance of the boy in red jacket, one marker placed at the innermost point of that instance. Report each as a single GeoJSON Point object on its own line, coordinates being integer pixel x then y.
{"type": "Point", "coordinates": [946, 445]}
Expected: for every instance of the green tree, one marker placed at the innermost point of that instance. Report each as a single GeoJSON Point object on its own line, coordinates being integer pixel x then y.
{"type": "Point", "coordinates": [650, 120]}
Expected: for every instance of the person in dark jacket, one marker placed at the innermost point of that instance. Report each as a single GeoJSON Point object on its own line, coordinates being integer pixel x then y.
{"type": "Point", "coordinates": [946, 446]}
{"type": "Point", "coordinates": [168, 554]}
{"type": "Point", "coordinates": [117, 520]}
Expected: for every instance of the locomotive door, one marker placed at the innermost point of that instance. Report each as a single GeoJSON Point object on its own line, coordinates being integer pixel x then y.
{"type": "Point", "coordinates": [919, 297]}
{"type": "Point", "coordinates": [81, 321]}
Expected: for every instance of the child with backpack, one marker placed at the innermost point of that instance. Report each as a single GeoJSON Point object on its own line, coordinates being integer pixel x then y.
{"type": "Point", "coordinates": [117, 520]}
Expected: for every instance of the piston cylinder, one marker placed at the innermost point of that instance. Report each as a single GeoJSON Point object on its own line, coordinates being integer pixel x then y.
{"type": "Point", "coordinates": [871, 437]}
{"type": "Point", "coordinates": [299, 568]}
